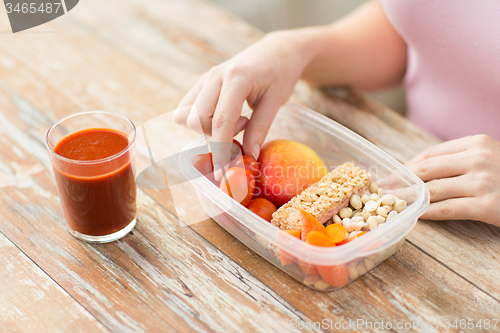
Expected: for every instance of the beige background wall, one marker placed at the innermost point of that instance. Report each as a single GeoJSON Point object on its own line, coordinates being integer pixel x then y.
{"type": "Point", "coordinates": [269, 15]}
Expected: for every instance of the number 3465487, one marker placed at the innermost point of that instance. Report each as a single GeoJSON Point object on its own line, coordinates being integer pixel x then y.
{"type": "Point", "coordinates": [32, 8]}
{"type": "Point", "coordinates": [471, 324]}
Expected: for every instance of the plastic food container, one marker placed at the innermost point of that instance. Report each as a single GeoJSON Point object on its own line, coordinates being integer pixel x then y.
{"type": "Point", "coordinates": [335, 144]}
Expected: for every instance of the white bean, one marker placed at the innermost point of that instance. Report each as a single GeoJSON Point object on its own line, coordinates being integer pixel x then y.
{"type": "Point", "coordinates": [357, 219]}
{"type": "Point", "coordinates": [391, 215]}
{"type": "Point", "coordinates": [345, 212]}
{"type": "Point", "coordinates": [347, 224]}
{"type": "Point", "coordinates": [337, 219]}
{"type": "Point", "coordinates": [382, 211]}
{"type": "Point", "coordinates": [380, 219]}
{"type": "Point", "coordinates": [351, 264]}
{"type": "Point", "coordinates": [373, 187]}
{"type": "Point", "coordinates": [369, 264]}
{"type": "Point", "coordinates": [358, 225]}
{"type": "Point", "coordinates": [371, 206]}
{"type": "Point", "coordinates": [365, 198]}
{"type": "Point", "coordinates": [388, 199]}
{"type": "Point", "coordinates": [321, 285]}
{"type": "Point", "coordinates": [374, 197]}
{"type": "Point", "coordinates": [361, 269]}
{"type": "Point", "coordinates": [381, 225]}
{"type": "Point", "coordinates": [355, 202]}
{"type": "Point", "coordinates": [352, 272]}
{"type": "Point", "coordinates": [310, 280]}
{"type": "Point", "coordinates": [372, 222]}
{"type": "Point", "coordinates": [366, 214]}
{"type": "Point", "coordinates": [380, 192]}
{"type": "Point", "coordinates": [399, 205]}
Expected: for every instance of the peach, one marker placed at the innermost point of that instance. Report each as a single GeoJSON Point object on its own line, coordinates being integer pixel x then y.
{"type": "Point", "coordinates": [287, 168]}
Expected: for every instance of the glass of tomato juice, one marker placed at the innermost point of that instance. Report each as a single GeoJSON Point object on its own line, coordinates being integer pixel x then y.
{"type": "Point", "coordinates": [92, 154]}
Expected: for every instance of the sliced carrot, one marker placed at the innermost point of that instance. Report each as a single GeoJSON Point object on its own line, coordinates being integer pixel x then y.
{"type": "Point", "coordinates": [334, 275]}
{"type": "Point", "coordinates": [336, 232]}
{"type": "Point", "coordinates": [345, 241]}
{"type": "Point", "coordinates": [293, 232]}
{"type": "Point", "coordinates": [308, 268]}
{"type": "Point", "coordinates": [360, 234]}
{"type": "Point", "coordinates": [285, 257]}
{"type": "Point", "coordinates": [319, 239]}
{"type": "Point", "coordinates": [308, 223]}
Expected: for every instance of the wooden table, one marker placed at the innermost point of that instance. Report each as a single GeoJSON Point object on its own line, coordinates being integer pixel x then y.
{"type": "Point", "coordinates": [139, 58]}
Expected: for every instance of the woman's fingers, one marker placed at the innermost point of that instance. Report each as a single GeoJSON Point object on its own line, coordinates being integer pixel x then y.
{"type": "Point", "coordinates": [182, 112]}
{"type": "Point", "coordinates": [218, 97]}
{"type": "Point", "coordinates": [227, 114]}
{"type": "Point", "coordinates": [200, 116]}
{"type": "Point", "coordinates": [449, 188]}
{"type": "Point", "coordinates": [259, 124]}
{"type": "Point", "coordinates": [241, 124]}
{"type": "Point", "coordinates": [461, 177]}
{"type": "Point", "coordinates": [445, 148]}
{"type": "Point", "coordinates": [454, 209]}
{"type": "Point", "coordinates": [437, 167]}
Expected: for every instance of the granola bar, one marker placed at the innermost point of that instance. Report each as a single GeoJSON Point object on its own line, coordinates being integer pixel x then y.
{"type": "Point", "coordinates": [324, 198]}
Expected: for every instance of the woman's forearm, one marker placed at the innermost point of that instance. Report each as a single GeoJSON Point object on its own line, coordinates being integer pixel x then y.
{"type": "Point", "coordinates": [362, 50]}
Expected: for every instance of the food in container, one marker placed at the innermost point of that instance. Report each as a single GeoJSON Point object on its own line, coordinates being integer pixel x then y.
{"type": "Point", "coordinates": [336, 145]}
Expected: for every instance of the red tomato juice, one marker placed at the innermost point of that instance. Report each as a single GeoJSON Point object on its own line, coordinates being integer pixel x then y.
{"type": "Point", "coordinates": [98, 198]}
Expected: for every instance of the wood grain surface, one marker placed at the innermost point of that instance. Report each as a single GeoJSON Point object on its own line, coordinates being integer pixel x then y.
{"type": "Point", "coordinates": [161, 277]}
{"type": "Point", "coordinates": [139, 60]}
{"type": "Point", "coordinates": [30, 301]}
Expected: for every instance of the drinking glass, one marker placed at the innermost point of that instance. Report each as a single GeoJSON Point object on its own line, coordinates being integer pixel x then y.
{"type": "Point", "coordinates": [98, 196]}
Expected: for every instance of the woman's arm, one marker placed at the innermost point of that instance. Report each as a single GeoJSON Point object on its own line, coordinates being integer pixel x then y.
{"type": "Point", "coordinates": [362, 50]}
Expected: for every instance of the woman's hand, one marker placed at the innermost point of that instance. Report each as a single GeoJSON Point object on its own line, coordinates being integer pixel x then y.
{"type": "Point", "coordinates": [264, 75]}
{"type": "Point", "coordinates": [463, 177]}
{"type": "Point", "coordinates": [362, 50]}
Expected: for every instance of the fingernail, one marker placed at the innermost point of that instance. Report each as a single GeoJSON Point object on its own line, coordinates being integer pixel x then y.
{"type": "Point", "coordinates": [217, 172]}
{"type": "Point", "coordinates": [256, 151]}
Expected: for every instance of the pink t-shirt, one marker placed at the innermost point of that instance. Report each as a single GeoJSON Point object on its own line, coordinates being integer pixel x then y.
{"type": "Point", "coordinates": [453, 76]}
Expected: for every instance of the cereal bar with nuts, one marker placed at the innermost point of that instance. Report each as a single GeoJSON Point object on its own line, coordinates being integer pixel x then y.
{"type": "Point", "coordinates": [324, 198]}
